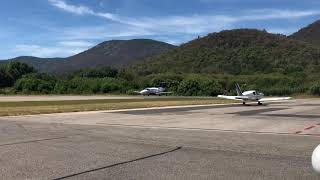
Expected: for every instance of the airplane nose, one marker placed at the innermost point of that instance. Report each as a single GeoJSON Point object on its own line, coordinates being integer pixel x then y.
{"type": "Point", "coordinates": [315, 160]}
{"type": "Point", "coordinates": [143, 92]}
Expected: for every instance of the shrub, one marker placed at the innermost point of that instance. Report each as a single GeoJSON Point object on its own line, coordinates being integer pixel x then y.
{"type": "Point", "coordinates": [199, 86]}
{"type": "Point", "coordinates": [97, 72]}
{"type": "Point", "coordinates": [17, 69]}
{"type": "Point", "coordinates": [110, 85]}
{"type": "Point", "coordinates": [315, 89]}
{"type": "Point", "coordinates": [34, 85]}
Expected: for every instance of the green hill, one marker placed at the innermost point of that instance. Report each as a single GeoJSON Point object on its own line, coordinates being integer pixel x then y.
{"type": "Point", "coordinates": [310, 34]}
{"type": "Point", "coordinates": [235, 52]}
{"type": "Point", "coordinates": [109, 53]}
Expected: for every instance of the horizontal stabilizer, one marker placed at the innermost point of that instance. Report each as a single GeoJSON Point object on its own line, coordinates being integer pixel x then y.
{"type": "Point", "coordinates": [166, 92]}
{"type": "Point", "coordinates": [231, 97]}
{"type": "Point", "coordinates": [275, 99]}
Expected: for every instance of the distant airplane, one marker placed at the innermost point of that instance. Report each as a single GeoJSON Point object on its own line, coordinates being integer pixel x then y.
{"type": "Point", "coordinates": [154, 91]}
{"type": "Point", "coordinates": [252, 95]}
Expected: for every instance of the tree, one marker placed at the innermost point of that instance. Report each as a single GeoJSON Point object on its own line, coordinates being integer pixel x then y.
{"type": "Point", "coordinates": [97, 72]}
{"type": "Point", "coordinates": [315, 89]}
{"type": "Point", "coordinates": [5, 79]}
{"type": "Point", "coordinates": [17, 69]}
{"type": "Point", "coordinates": [35, 83]}
{"type": "Point", "coordinates": [189, 87]}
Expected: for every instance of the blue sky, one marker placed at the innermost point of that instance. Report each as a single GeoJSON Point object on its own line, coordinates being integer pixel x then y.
{"type": "Point", "coordinates": [60, 28]}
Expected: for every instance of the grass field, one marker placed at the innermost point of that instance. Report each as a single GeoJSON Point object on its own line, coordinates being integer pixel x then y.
{"type": "Point", "coordinates": [44, 107]}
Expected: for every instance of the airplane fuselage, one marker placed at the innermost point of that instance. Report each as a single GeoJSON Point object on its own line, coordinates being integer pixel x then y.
{"type": "Point", "coordinates": [152, 91]}
{"type": "Point", "coordinates": [251, 96]}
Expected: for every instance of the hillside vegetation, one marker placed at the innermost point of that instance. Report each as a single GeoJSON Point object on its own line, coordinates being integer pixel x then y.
{"type": "Point", "coordinates": [309, 34]}
{"type": "Point", "coordinates": [242, 51]}
{"type": "Point", "coordinates": [20, 78]}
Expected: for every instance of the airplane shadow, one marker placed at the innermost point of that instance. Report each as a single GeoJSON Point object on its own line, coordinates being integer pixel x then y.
{"type": "Point", "coordinates": [256, 105]}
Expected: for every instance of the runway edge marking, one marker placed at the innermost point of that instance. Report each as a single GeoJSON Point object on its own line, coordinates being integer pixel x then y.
{"type": "Point", "coordinates": [204, 129]}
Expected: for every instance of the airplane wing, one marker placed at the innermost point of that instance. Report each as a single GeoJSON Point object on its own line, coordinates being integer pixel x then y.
{"type": "Point", "coordinates": [166, 92]}
{"type": "Point", "coordinates": [240, 98]}
{"type": "Point", "coordinates": [275, 99]}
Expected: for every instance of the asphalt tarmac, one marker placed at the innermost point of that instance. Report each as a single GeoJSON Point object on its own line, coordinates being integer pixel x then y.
{"type": "Point", "coordinates": [273, 141]}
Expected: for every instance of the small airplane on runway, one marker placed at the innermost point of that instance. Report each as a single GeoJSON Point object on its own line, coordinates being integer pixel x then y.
{"type": "Point", "coordinates": [158, 91]}
{"type": "Point", "coordinates": [252, 95]}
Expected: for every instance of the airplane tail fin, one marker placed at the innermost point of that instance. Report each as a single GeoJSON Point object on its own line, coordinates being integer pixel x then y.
{"type": "Point", "coordinates": [163, 84]}
{"type": "Point", "coordinates": [238, 89]}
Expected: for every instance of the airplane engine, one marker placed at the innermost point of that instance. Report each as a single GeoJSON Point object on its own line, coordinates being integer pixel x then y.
{"type": "Point", "coordinates": [316, 159]}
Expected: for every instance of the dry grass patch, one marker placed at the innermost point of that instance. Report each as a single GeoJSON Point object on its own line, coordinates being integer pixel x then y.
{"type": "Point", "coordinates": [46, 107]}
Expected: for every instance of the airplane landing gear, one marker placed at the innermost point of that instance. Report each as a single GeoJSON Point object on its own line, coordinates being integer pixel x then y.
{"type": "Point", "coordinates": [259, 103]}
{"type": "Point", "coordinates": [244, 103]}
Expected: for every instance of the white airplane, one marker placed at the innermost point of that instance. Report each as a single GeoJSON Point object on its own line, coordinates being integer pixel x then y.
{"type": "Point", "coordinates": [153, 91]}
{"type": "Point", "coordinates": [252, 95]}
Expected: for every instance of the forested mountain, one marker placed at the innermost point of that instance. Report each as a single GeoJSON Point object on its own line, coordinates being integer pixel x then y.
{"type": "Point", "coordinates": [310, 34]}
{"type": "Point", "coordinates": [240, 51]}
{"type": "Point", "coordinates": [109, 53]}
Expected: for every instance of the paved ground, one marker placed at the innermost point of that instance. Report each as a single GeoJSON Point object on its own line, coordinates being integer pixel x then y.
{"type": "Point", "coordinates": [273, 141]}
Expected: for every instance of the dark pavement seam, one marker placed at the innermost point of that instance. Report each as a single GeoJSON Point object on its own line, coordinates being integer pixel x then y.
{"type": "Point", "coordinates": [117, 164]}
{"type": "Point", "coordinates": [31, 141]}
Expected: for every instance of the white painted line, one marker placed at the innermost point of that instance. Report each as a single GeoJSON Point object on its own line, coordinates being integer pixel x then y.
{"type": "Point", "coordinates": [206, 130]}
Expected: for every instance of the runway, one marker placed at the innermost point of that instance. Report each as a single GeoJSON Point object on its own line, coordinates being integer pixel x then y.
{"type": "Point", "coordinates": [273, 141]}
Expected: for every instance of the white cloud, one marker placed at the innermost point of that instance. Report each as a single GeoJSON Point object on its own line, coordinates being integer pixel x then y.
{"type": "Point", "coordinates": [270, 14]}
{"type": "Point", "coordinates": [81, 10]}
{"type": "Point", "coordinates": [76, 44]}
{"type": "Point", "coordinates": [71, 8]}
{"type": "Point", "coordinates": [102, 32]}
{"type": "Point", "coordinates": [42, 51]}
{"type": "Point", "coordinates": [284, 31]}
